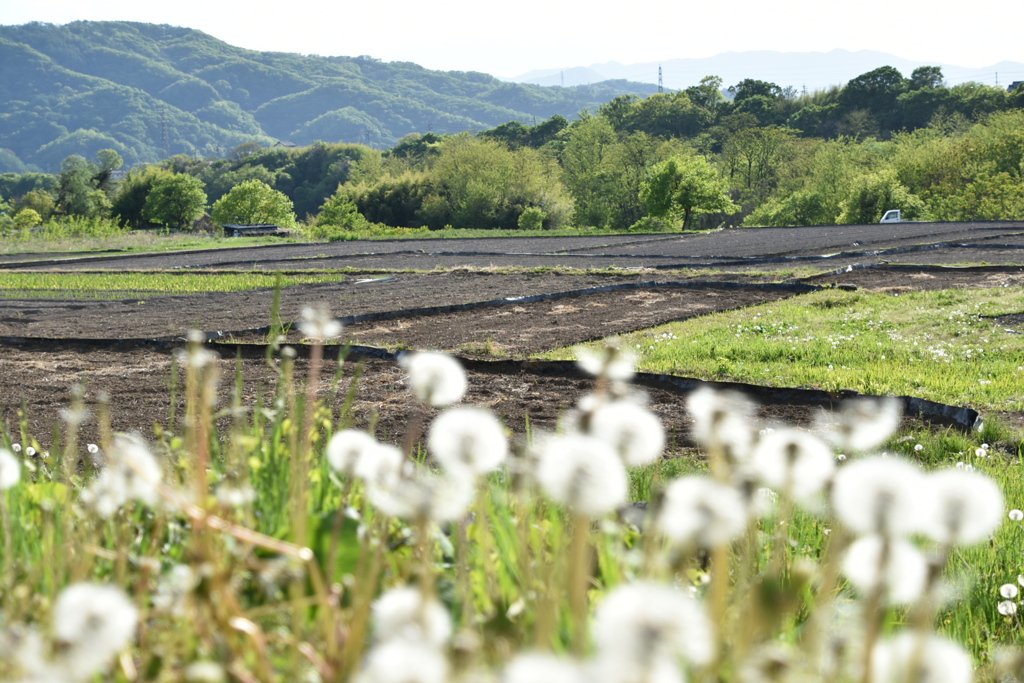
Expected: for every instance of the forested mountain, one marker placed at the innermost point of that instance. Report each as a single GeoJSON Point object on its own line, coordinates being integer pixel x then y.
{"type": "Point", "coordinates": [151, 91]}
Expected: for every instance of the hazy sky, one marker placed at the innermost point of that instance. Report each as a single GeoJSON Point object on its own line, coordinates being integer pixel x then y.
{"type": "Point", "coordinates": [509, 38]}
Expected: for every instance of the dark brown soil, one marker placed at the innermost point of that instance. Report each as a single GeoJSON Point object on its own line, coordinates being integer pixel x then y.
{"type": "Point", "coordinates": [135, 378]}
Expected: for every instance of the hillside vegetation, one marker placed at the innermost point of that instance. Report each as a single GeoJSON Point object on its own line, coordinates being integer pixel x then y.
{"type": "Point", "coordinates": [151, 91]}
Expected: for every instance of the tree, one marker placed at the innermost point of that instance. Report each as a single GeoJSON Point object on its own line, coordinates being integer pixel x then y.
{"type": "Point", "coordinates": [685, 186]}
{"type": "Point", "coordinates": [77, 194]}
{"type": "Point", "coordinates": [176, 201]}
{"type": "Point", "coordinates": [254, 202]}
{"type": "Point", "coordinates": [873, 194]}
{"type": "Point", "coordinates": [341, 212]}
{"type": "Point", "coordinates": [876, 91]}
{"type": "Point", "coordinates": [926, 77]}
{"type": "Point", "coordinates": [129, 203]}
{"type": "Point", "coordinates": [26, 219]}
{"type": "Point", "coordinates": [751, 87]}
{"type": "Point", "coordinates": [754, 157]}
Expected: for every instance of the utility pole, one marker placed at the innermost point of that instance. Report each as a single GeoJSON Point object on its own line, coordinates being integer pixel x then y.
{"type": "Point", "coordinates": [661, 87]}
{"type": "Point", "coordinates": [165, 133]}
{"type": "Point", "coordinates": [563, 79]}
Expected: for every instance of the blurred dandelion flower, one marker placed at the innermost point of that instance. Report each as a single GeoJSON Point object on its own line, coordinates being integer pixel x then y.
{"type": "Point", "coordinates": [316, 323]}
{"type": "Point", "coordinates": [880, 495]}
{"type": "Point", "coordinates": [353, 452]}
{"type": "Point", "coordinates": [1007, 608]}
{"type": "Point", "coordinates": [644, 621]}
{"type": "Point", "coordinates": [702, 512]}
{"type": "Point", "coordinates": [583, 473]}
{"type": "Point", "coordinates": [174, 588]}
{"type": "Point", "coordinates": [205, 672]}
{"type": "Point", "coordinates": [16, 447]}
{"type": "Point", "coordinates": [29, 452]}
{"type": "Point", "coordinates": [723, 418]}
{"type": "Point", "coordinates": [231, 495]}
{"type": "Point", "coordinates": [1016, 515]}
{"type": "Point", "coordinates": [612, 361]}
{"type": "Point", "coordinates": [918, 448]}
{"type": "Point", "coordinates": [131, 473]}
{"type": "Point", "coordinates": [937, 660]}
{"type": "Point", "coordinates": [437, 379]}
{"type": "Point", "coordinates": [965, 506]}
{"type": "Point", "coordinates": [92, 449]}
{"type": "Point", "coordinates": [612, 668]}
{"type": "Point", "coordinates": [400, 661]}
{"type": "Point", "coordinates": [91, 624]}
{"type": "Point", "coordinates": [631, 429]}
{"type": "Point", "coordinates": [902, 577]}
{"type": "Point", "coordinates": [1008, 590]}
{"type": "Point", "coordinates": [401, 614]}
{"type": "Point", "coordinates": [471, 438]}
{"type": "Point", "coordinates": [794, 461]}
{"type": "Point", "coordinates": [980, 453]}
{"type": "Point", "coordinates": [863, 423]}
{"type": "Point", "coordinates": [542, 667]}
{"type": "Point", "coordinates": [423, 494]}
{"type": "Point", "coordinates": [10, 469]}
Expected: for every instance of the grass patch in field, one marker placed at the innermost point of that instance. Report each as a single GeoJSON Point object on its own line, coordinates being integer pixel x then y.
{"type": "Point", "coordinates": [933, 345]}
{"type": "Point", "coordinates": [76, 285]}
{"type": "Point", "coordinates": [131, 242]}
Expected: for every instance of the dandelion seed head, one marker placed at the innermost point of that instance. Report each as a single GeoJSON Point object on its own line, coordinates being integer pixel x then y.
{"type": "Point", "coordinates": [938, 660]}
{"type": "Point", "coordinates": [862, 423]}
{"type": "Point", "coordinates": [400, 661]}
{"type": "Point", "coordinates": [423, 494]}
{"type": "Point", "coordinates": [722, 418]}
{"type": "Point", "coordinates": [92, 623]}
{"type": "Point", "coordinates": [16, 447]}
{"type": "Point", "coordinates": [632, 430]}
{"type": "Point", "coordinates": [1016, 515]}
{"type": "Point", "coordinates": [794, 461]}
{"type": "Point", "coordinates": [880, 495]}
{"type": "Point", "coordinates": [697, 511]}
{"type": "Point", "coordinates": [235, 496]}
{"type": "Point", "coordinates": [583, 473]}
{"type": "Point", "coordinates": [471, 438]}
{"type": "Point", "coordinates": [205, 672]}
{"type": "Point", "coordinates": [965, 506]}
{"type": "Point", "coordinates": [902, 578]}
{"type": "Point", "coordinates": [1008, 590]}
{"type": "Point", "coordinates": [353, 452]}
{"type": "Point", "coordinates": [613, 361]}
{"type": "Point", "coordinates": [1007, 608]}
{"type": "Point", "coordinates": [542, 667]}
{"type": "Point", "coordinates": [29, 451]}
{"type": "Point", "coordinates": [918, 448]}
{"type": "Point", "coordinates": [10, 469]}
{"type": "Point", "coordinates": [316, 323]}
{"type": "Point", "coordinates": [644, 621]}
{"type": "Point", "coordinates": [174, 588]}
{"type": "Point", "coordinates": [401, 614]}
{"type": "Point", "coordinates": [980, 453]}
{"type": "Point", "coordinates": [437, 379]}
{"type": "Point", "coordinates": [92, 449]}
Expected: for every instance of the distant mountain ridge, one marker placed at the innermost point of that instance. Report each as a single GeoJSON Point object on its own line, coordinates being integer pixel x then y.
{"type": "Point", "coordinates": [813, 70]}
{"type": "Point", "coordinates": [150, 91]}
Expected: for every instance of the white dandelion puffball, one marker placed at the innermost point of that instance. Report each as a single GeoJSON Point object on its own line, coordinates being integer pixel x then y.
{"type": "Point", "coordinates": [965, 506]}
{"type": "Point", "coordinates": [862, 423]}
{"type": "Point", "coordinates": [937, 660]}
{"type": "Point", "coordinates": [470, 438]}
{"type": "Point", "coordinates": [91, 624]}
{"type": "Point", "coordinates": [437, 379]}
{"type": "Point", "coordinates": [354, 452]}
{"type": "Point", "coordinates": [1008, 590]}
{"type": "Point", "coordinates": [316, 323]}
{"type": "Point", "coordinates": [613, 361]}
{"type": "Point", "coordinates": [10, 469]}
{"type": "Point", "coordinates": [131, 473]}
{"type": "Point", "coordinates": [424, 495]}
{"type": "Point", "coordinates": [399, 661]}
{"type": "Point", "coordinates": [542, 667]}
{"type": "Point", "coordinates": [701, 512]}
{"type": "Point", "coordinates": [903, 577]}
{"type": "Point", "coordinates": [794, 461]}
{"type": "Point", "coordinates": [878, 495]}
{"type": "Point", "coordinates": [401, 614]}
{"type": "Point", "coordinates": [645, 620]}
{"type": "Point", "coordinates": [612, 668]}
{"type": "Point", "coordinates": [1016, 515]}
{"type": "Point", "coordinates": [1007, 608]}
{"type": "Point", "coordinates": [632, 430]}
{"type": "Point", "coordinates": [583, 473]}
{"type": "Point", "coordinates": [709, 407]}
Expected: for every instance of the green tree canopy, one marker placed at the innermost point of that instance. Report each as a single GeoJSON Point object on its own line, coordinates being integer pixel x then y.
{"type": "Point", "coordinates": [254, 202]}
{"type": "Point", "coordinates": [684, 186]}
{"type": "Point", "coordinates": [176, 201]}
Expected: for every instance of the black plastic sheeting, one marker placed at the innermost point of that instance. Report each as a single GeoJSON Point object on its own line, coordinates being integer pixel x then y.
{"type": "Point", "coordinates": [960, 417]}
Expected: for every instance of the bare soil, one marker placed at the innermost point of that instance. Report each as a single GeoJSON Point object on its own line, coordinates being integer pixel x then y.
{"type": "Point", "coordinates": [41, 355]}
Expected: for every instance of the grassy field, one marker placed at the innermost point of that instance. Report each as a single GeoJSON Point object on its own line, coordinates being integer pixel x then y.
{"type": "Point", "coordinates": [940, 345]}
{"type": "Point", "coordinates": [267, 542]}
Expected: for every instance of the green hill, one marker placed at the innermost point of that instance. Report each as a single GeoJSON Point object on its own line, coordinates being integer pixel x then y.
{"type": "Point", "coordinates": [150, 91]}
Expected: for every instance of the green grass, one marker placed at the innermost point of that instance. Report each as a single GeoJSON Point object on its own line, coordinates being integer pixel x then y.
{"type": "Point", "coordinates": [77, 285]}
{"type": "Point", "coordinates": [933, 345]}
{"type": "Point", "coordinates": [131, 242]}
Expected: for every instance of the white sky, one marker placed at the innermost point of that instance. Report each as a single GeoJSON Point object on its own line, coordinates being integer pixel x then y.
{"type": "Point", "coordinates": [510, 38]}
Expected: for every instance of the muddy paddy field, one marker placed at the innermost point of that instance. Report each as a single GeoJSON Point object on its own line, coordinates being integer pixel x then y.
{"type": "Point", "coordinates": [495, 303]}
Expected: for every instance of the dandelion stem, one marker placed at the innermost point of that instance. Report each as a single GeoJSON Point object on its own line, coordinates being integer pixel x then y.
{"type": "Point", "coordinates": [579, 577]}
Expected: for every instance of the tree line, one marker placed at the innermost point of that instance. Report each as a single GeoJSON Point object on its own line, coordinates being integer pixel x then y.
{"type": "Point", "coordinates": [751, 154]}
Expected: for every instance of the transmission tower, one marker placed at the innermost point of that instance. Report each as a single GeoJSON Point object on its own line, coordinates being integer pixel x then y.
{"type": "Point", "coordinates": [165, 132]}
{"type": "Point", "coordinates": [661, 87]}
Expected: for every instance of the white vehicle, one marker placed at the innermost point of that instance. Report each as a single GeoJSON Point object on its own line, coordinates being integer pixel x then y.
{"type": "Point", "coordinates": [893, 216]}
